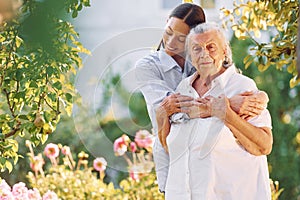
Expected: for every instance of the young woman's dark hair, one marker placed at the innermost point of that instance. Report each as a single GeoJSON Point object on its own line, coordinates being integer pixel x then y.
{"type": "Point", "coordinates": [191, 14]}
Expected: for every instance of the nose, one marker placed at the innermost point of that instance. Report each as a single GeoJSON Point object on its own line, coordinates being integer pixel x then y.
{"type": "Point", "coordinates": [203, 53]}
{"type": "Point", "coordinates": [172, 41]}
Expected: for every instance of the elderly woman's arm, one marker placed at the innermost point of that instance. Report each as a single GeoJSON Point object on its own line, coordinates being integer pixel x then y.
{"type": "Point", "coordinates": [256, 140]}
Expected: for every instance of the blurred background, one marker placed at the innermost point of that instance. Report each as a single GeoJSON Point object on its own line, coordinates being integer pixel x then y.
{"type": "Point", "coordinates": [118, 33]}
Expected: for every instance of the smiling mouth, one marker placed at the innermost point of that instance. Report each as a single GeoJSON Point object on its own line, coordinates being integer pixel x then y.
{"type": "Point", "coordinates": [171, 49]}
{"type": "Point", "coordinates": [206, 63]}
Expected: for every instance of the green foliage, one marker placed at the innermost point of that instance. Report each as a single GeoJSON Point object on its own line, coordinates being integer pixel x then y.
{"type": "Point", "coordinates": [284, 160]}
{"type": "Point", "coordinates": [38, 62]}
{"type": "Point", "coordinates": [251, 19]}
{"type": "Point", "coordinates": [84, 183]}
{"type": "Point", "coordinates": [69, 185]}
{"type": "Point", "coordinates": [146, 188]}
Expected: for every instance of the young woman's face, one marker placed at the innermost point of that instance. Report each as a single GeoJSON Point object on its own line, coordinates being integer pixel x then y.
{"type": "Point", "coordinates": [174, 36]}
{"type": "Point", "coordinates": [207, 51]}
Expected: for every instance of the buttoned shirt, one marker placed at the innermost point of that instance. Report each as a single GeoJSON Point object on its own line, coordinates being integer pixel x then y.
{"type": "Point", "coordinates": [206, 161]}
{"type": "Point", "coordinates": [158, 75]}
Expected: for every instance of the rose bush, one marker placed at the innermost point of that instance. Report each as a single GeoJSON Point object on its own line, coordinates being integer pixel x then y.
{"type": "Point", "coordinates": [19, 191]}
{"type": "Point", "coordinates": [68, 179]}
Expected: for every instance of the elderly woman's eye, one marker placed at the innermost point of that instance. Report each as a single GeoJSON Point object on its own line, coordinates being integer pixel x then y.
{"type": "Point", "coordinates": [197, 49]}
{"type": "Point", "coordinates": [212, 47]}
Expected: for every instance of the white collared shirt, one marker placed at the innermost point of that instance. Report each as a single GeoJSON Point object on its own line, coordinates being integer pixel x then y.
{"type": "Point", "coordinates": [158, 75]}
{"type": "Point", "coordinates": [206, 162]}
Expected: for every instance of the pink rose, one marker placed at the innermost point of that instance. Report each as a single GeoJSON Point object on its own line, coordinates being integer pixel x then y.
{"type": "Point", "coordinates": [6, 194]}
{"type": "Point", "coordinates": [143, 139]}
{"type": "Point", "coordinates": [20, 191]}
{"type": "Point", "coordinates": [37, 162]}
{"type": "Point", "coordinates": [133, 147]}
{"type": "Point", "coordinates": [134, 175]}
{"type": "Point", "coordinates": [120, 145]}
{"type": "Point", "coordinates": [65, 150]}
{"type": "Point", "coordinates": [100, 164]}
{"type": "Point", "coordinates": [34, 194]}
{"type": "Point", "coordinates": [49, 195]}
{"type": "Point", "coordinates": [51, 150]}
{"type": "Point", "coordinates": [4, 185]}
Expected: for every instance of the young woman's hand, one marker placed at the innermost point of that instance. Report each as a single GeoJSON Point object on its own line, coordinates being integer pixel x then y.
{"type": "Point", "coordinates": [249, 104]}
{"type": "Point", "coordinates": [176, 103]}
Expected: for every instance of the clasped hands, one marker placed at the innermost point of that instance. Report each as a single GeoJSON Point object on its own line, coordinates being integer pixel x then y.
{"type": "Point", "coordinates": [246, 105]}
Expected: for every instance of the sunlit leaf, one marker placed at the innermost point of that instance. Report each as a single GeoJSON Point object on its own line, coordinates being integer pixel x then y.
{"type": "Point", "coordinates": [9, 166]}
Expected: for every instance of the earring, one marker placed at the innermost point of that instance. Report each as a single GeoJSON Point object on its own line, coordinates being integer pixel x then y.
{"type": "Point", "coordinates": [226, 63]}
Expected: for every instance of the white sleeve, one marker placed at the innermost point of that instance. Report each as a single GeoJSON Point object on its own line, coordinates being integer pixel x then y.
{"type": "Point", "coordinates": [262, 120]}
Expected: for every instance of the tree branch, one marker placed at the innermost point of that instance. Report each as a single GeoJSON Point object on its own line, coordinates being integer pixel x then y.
{"type": "Point", "coordinates": [8, 102]}
{"type": "Point", "coordinates": [13, 132]}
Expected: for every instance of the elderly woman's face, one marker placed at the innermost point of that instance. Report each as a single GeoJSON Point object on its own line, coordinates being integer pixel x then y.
{"type": "Point", "coordinates": [174, 36]}
{"type": "Point", "coordinates": [207, 52]}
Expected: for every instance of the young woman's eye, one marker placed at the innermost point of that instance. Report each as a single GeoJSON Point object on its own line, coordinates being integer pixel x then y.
{"type": "Point", "coordinates": [181, 38]}
{"type": "Point", "coordinates": [168, 32]}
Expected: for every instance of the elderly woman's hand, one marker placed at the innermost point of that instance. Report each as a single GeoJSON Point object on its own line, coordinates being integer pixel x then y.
{"type": "Point", "coordinates": [201, 108]}
{"type": "Point", "coordinates": [219, 106]}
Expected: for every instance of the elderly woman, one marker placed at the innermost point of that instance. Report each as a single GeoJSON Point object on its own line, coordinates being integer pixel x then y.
{"type": "Point", "coordinates": [221, 156]}
{"type": "Point", "coordinates": [159, 74]}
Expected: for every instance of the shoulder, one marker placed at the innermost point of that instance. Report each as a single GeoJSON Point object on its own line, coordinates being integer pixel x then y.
{"type": "Point", "coordinates": [148, 61]}
{"type": "Point", "coordinates": [242, 81]}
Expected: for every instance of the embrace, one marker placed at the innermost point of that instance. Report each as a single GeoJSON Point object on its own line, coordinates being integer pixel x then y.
{"type": "Point", "coordinates": [210, 148]}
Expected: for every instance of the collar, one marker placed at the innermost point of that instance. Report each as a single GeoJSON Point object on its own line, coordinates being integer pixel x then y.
{"type": "Point", "coordinates": [222, 79]}
{"type": "Point", "coordinates": [166, 61]}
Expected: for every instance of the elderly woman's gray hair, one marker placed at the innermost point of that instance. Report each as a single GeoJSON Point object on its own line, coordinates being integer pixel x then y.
{"type": "Point", "coordinates": [205, 27]}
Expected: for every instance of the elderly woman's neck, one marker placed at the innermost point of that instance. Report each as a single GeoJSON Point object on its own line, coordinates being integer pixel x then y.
{"type": "Point", "coordinates": [203, 83]}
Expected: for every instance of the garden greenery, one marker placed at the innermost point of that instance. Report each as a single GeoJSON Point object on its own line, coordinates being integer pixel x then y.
{"type": "Point", "coordinates": [249, 19]}
{"type": "Point", "coordinates": [38, 61]}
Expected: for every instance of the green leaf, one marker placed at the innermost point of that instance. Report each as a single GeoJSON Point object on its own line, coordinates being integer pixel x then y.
{"type": "Point", "coordinates": [23, 117]}
{"type": "Point", "coordinates": [19, 41]}
{"type": "Point", "coordinates": [2, 161]}
{"type": "Point", "coordinates": [33, 84]}
{"type": "Point", "coordinates": [19, 74]}
{"type": "Point", "coordinates": [44, 138]}
{"type": "Point", "coordinates": [20, 95]}
{"type": "Point", "coordinates": [247, 58]}
{"type": "Point", "coordinates": [49, 71]}
{"type": "Point", "coordinates": [249, 62]}
{"type": "Point", "coordinates": [69, 97]}
{"type": "Point", "coordinates": [47, 117]}
{"type": "Point", "coordinates": [79, 7]}
{"type": "Point", "coordinates": [57, 85]}
{"type": "Point", "coordinates": [75, 13]}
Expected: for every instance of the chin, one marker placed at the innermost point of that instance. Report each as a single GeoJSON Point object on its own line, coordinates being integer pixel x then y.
{"type": "Point", "coordinates": [171, 53]}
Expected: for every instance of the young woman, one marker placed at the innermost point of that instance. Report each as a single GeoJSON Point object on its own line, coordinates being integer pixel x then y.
{"type": "Point", "coordinates": [159, 74]}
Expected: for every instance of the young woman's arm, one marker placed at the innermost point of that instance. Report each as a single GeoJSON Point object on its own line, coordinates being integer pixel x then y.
{"type": "Point", "coordinates": [256, 140]}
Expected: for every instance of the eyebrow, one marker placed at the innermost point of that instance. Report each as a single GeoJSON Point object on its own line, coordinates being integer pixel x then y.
{"type": "Point", "coordinates": [208, 42]}
{"type": "Point", "coordinates": [178, 32]}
